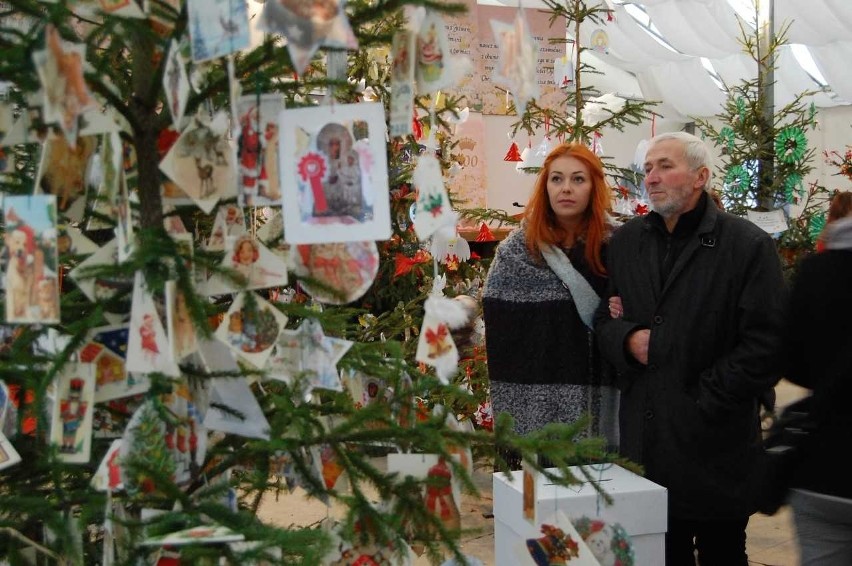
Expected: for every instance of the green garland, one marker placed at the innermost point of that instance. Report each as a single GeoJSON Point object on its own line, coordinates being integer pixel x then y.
{"type": "Point", "coordinates": [790, 145]}
{"type": "Point", "coordinates": [792, 186]}
{"type": "Point", "coordinates": [816, 226]}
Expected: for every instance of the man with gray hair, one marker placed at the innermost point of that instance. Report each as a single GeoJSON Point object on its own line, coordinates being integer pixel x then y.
{"type": "Point", "coordinates": [693, 339]}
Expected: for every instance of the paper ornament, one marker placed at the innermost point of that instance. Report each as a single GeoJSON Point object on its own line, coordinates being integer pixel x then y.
{"type": "Point", "coordinates": [60, 70]}
{"type": "Point", "coordinates": [106, 349]}
{"type": "Point", "coordinates": [252, 263]}
{"type": "Point", "coordinates": [435, 65]}
{"type": "Point", "coordinates": [435, 346]}
{"type": "Point", "coordinates": [108, 475]}
{"type": "Point", "coordinates": [148, 348]}
{"type": "Point", "coordinates": [257, 149]}
{"type": "Point", "coordinates": [791, 145]}
{"type": "Point", "coordinates": [234, 409]}
{"type": "Point", "coordinates": [484, 234]}
{"type": "Point", "coordinates": [554, 548]}
{"type": "Point", "coordinates": [307, 26]}
{"type": "Point", "coordinates": [8, 455]}
{"type": "Point", "coordinates": [176, 83]}
{"type": "Point", "coordinates": [63, 172]}
{"type": "Point", "coordinates": [307, 353]}
{"type": "Point", "coordinates": [217, 28]}
{"type": "Point", "coordinates": [229, 221]}
{"type": "Point", "coordinates": [448, 247]}
{"type": "Point", "coordinates": [518, 62]}
{"type": "Point", "coordinates": [31, 279]}
{"type": "Point", "coordinates": [402, 81]}
{"type": "Point", "coordinates": [514, 153]}
{"type": "Point", "coordinates": [338, 273]}
{"type": "Point", "coordinates": [600, 41]}
{"type": "Point", "coordinates": [563, 71]}
{"type": "Point", "coordinates": [251, 328]}
{"type": "Point", "coordinates": [202, 162]}
{"type": "Point", "coordinates": [609, 542]}
{"type": "Point", "coordinates": [433, 208]}
{"type": "Point", "coordinates": [71, 421]}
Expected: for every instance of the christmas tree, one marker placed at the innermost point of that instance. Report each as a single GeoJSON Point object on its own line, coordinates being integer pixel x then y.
{"type": "Point", "coordinates": [765, 154]}
{"type": "Point", "coordinates": [202, 447]}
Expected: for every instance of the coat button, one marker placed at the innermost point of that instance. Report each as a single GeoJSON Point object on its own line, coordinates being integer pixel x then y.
{"type": "Point", "coordinates": [649, 414]}
{"type": "Point", "coordinates": [658, 319]}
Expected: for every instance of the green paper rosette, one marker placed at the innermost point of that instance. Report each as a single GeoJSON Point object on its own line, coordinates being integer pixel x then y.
{"type": "Point", "coordinates": [739, 178]}
{"type": "Point", "coordinates": [815, 226]}
{"type": "Point", "coordinates": [790, 144]}
{"type": "Point", "coordinates": [726, 138]}
{"type": "Point", "coordinates": [792, 186]}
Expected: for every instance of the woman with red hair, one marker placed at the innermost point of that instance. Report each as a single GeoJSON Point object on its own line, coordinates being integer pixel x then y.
{"type": "Point", "coordinates": [539, 300]}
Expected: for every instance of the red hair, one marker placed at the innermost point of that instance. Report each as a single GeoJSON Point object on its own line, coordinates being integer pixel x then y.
{"type": "Point", "coordinates": [541, 222]}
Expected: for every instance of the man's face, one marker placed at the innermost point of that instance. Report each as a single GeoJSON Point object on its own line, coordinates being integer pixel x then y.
{"type": "Point", "coordinates": [673, 186]}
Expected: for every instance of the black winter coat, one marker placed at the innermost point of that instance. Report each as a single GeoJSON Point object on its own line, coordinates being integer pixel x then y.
{"type": "Point", "coordinates": [691, 416]}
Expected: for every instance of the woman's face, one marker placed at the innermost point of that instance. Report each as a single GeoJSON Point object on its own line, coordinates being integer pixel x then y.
{"type": "Point", "coordinates": [569, 188]}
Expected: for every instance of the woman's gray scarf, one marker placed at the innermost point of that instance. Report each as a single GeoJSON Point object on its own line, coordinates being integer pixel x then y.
{"type": "Point", "coordinates": [838, 234]}
{"type": "Point", "coordinates": [585, 298]}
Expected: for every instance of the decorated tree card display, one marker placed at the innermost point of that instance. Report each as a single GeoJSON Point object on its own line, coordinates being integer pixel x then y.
{"type": "Point", "coordinates": [337, 273]}
{"type": "Point", "coordinates": [217, 28]}
{"type": "Point", "coordinates": [71, 419]}
{"type": "Point", "coordinates": [334, 173]}
{"type": "Point", "coordinates": [31, 278]}
{"type": "Point", "coordinates": [251, 327]}
{"type": "Point", "coordinates": [307, 26]}
{"type": "Point", "coordinates": [257, 149]}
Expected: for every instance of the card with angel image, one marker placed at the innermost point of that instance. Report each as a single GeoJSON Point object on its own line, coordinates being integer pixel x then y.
{"type": "Point", "coordinates": [148, 348]}
{"type": "Point", "coordinates": [217, 28]}
{"type": "Point", "coordinates": [254, 265]}
{"type": "Point", "coordinates": [334, 173]}
{"type": "Point", "coordinates": [257, 149]}
{"type": "Point", "coordinates": [202, 162]}
{"type": "Point", "coordinates": [73, 406]}
{"type": "Point", "coordinates": [31, 271]}
{"type": "Point", "coordinates": [251, 327]}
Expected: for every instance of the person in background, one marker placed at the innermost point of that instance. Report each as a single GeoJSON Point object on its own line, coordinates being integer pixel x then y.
{"type": "Point", "coordinates": [693, 341]}
{"type": "Point", "coordinates": [840, 207]}
{"type": "Point", "coordinates": [539, 299]}
{"type": "Point", "coordinates": [816, 347]}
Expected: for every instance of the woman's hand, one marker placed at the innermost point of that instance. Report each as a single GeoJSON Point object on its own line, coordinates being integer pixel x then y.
{"type": "Point", "coordinates": [616, 309]}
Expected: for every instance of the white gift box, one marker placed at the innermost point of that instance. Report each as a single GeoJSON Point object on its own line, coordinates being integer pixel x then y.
{"type": "Point", "coordinates": [638, 505]}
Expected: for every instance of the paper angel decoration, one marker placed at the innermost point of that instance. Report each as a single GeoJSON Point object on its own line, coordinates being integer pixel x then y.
{"type": "Point", "coordinates": [518, 60]}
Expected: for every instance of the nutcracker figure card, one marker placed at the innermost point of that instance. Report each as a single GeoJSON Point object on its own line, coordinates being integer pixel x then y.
{"type": "Point", "coordinates": [71, 423]}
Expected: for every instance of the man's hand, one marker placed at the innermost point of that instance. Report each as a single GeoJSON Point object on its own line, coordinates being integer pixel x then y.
{"type": "Point", "coordinates": [637, 345]}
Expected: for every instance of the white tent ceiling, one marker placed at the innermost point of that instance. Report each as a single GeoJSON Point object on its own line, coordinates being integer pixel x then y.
{"type": "Point", "coordinates": [703, 32]}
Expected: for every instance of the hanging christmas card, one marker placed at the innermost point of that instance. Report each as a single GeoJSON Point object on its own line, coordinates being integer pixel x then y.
{"type": "Point", "coordinates": [517, 69]}
{"type": "Point", "coordinates": [334, 173]}
{"type": "Point", "coordinates": [217, 28]}
{"type": "Point", "coordinates": [71, 422]}
{"type": "Point", "coordinates": [71, 241]}
{"type": "Point", "coordinates": [100, 288]}
{"type": "Point", "coordinates": [65, 171]}
{"type": "Point", "coordinates": [254, 266]}
{"type": "Point", "coordinates": [234, 409]}
{"type": "Point", "coordinates": [147, 344]}
{"type": "Point", "coordinates": [432, 209]}
{"type": "Point", "coordinates": [206, 534]}
{"type": "Point", "coordinates": [337, 273]}
{"type": "Point", "coordinates": [202, 162]}
{"type": "Point", "coordinates": [251, 328]}
{"type": "Point", "coordinates": [105, 349]}
{"type": "Point", "coordinates": [309, 354]}
{"type": "Point", "coordinates": [105, 175]}
{"type": "Point", "coordinates": [185, 436]}
{"type": "Point", "coordinates": [108, 475]}
{"type": "Point", "coordinates": [229, 221]}
{"type": "Point", "coordinates": [435, 345]}
{"type": "Point", "coordinates": [176, 83]}
{"type": "Point", "coordinates": [60, 70]}
{"type": "Point", "coordinates": [8, 455]}
{"type": "Point", "coordinates": [441, 494]}
{"type": "Point", "coordinates": [435, 65]}
{"type": "Point", "coordinates": [367, 551]}
{"type": "Point", "coordinates": [609, 542]}
{"type": "Point", "coordinates": [257, 149]}
{"type": "Point", "coordinates": [307, 26]}
{"type": "Point", "coordinates": [402, 81]}
{"type": "Point", "coordinates": [182, 340]}
{"type": "Point", "coordinates": [30, 280]}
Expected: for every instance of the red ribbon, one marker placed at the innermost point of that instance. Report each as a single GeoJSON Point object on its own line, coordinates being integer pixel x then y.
{"type": "Point", "coordinates": [312, 169]}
